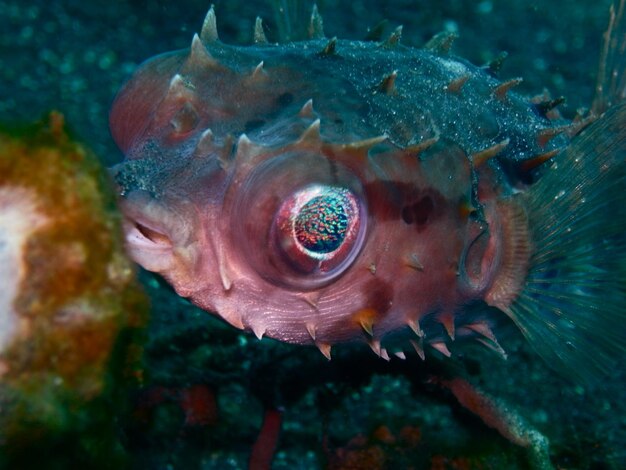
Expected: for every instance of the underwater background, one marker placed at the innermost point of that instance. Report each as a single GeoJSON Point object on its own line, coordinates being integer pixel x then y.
{"type": "Point", "coordinates": [205, 386]}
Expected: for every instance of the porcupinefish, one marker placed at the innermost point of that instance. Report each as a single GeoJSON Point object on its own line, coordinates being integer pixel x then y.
{"type": "Point", "coordinates": [325, 191]}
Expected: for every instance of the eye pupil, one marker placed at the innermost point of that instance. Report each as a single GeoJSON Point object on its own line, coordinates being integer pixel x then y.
{"type": "Point", "coordinates": [321, 224]}
{"type": "Point", "coordinates": [317, 232]}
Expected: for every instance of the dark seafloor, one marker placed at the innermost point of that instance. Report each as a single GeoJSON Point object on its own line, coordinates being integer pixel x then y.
{"type": "Point", "coordinates": [74, 55]}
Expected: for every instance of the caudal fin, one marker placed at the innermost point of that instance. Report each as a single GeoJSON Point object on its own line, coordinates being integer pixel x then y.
{"type": "Point", "coordinates": [573, 305]}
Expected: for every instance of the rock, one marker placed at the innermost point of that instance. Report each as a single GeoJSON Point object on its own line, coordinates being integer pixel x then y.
{"type": "Point", "coordinates": [70, 307]}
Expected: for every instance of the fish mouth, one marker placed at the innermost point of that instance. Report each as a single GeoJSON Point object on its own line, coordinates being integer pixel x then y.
{"type": "Point", "coordinates": [145, 221]}
{"type": "Point", "coordinates": [140, 233]}
{"type": "Point", "coordinates": [152, 231]}
{"type": "Point", "coordinates": [161, 235]}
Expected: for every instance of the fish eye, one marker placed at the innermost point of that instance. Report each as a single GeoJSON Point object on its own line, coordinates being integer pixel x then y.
{"type": "Point", "coordinates": [299, 221]}
{"type": "Point", "coordinates": [316, 228]}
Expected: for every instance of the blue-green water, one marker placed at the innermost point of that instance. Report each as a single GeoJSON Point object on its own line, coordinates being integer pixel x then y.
{"type": "Point", "coordinates": [73, 56]}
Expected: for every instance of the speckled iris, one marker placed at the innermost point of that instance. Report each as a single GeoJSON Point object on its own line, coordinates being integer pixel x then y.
{"type": "Point", "coordinates": [321, 224]}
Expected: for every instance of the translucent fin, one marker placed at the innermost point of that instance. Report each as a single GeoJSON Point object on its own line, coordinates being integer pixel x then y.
{"type": "Point", "coordinates": [611, 83]}
{"type": "Point", "coordinates": [292, 18]}
{"type": "Point", "coordinates": [573, 305]}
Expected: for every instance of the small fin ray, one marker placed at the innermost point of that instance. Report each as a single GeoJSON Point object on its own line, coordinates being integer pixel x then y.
{"type": "Point", "coordinates": [611, 81]}
{"type": "Point", "coordinates": [572, 308]}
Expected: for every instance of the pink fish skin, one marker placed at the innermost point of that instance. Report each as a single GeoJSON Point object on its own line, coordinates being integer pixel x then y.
{"type": "Point", "coordinates": [320, 192]}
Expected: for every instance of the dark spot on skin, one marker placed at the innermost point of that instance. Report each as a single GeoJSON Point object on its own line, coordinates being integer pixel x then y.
{"type": "Point", "coordinates": [418, 212]}
{"type": "Point", "coordinates": [385, 199]}
{"type": "Point", "coordinates": [285, 99]}
{"type": "Point", "coordinates": [253, 124]}
{"type": "Point", "coordinates": [389, 200]}
{"type": "Point", "coordinates": [407, 215]}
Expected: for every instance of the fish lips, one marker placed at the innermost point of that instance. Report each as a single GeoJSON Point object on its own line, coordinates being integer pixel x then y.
{"type": "Point", "coordinates": [156, 231]}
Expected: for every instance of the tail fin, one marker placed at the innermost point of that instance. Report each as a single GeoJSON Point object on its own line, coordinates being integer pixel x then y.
{"type": "Point", "coordinates": [573, 306]}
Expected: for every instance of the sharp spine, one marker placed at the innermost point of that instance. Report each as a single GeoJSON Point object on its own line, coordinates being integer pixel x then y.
{"type": "Point", "coordinates": [368, 326]}
{"type": "Point", "coordinates": [208, 33]}
{"type": "Point", "coordinates": [244, 145]}
{"type": "Point", "coordinates": [366, 144]}
{"type": "Point", "coordinates": [447, 320]}
{"type": "Point", "coordinates": [501, 91]}
{"type": "Point", "coordinates": [537, 160]}
{"type": "Point", "coordinates": [544, 107]}
{"type": "Point", "coordinates": [388, 84]}
{"type": "Point", "coordinates": [419, 348]}
{"type": "Point", "coordinates": [394, 38]}
{"type": "Point", "coordinates": [384, 354]}
{"type": "Point", "coordinates": [312, 133]}
{"type": "Point", "coordinates": [307, 110]}
{"type": "Point", "coordinates": [324, 349]}
{"type": "Point", "coordinates": [259, 33]}
{"type": "Point", "coordinates": [311, 298]}
{"type": "Point", "coordinates": [442, 347]}
{"type": "Point", "coordinates": [483, 329]}
{"type": "Point", "coordinates": [375, 345]}
{"type": "Point", "coordinates": [312, 330]}
{"type": "Point", "coordinates": [178, 86]}
{"type": "Point", "coordinates": [483, 156]}
{"type": "Point", "coordinates": [441, 43]}
{"type": "Point", "coordinates": [494, 346]}
{"type": "Point", "coordinates": [227, 283]}
{"type": "Point", "coordinates": [199, 55]}
{"type": "Point", "coordinates": [259, 71]}
{"type": "Point", "coordinates": [235, 320]}
{"type": "Point", "coordinates": [400, 355]}
{"type": "Point", "coordinates": [222, 267]}
{"type": "Point", "coordinates": [494, 66]}
{"type": "Point", "coordinates": [413, 262]}
{"type": "Point", "coordinates": [420, 147]}
{"type": "Point", "coordinates": [456, 85]}
{"type": "Point", "coordinates": [415, 326]}
{"type": "Point", "coordinates": [330, 48]}
{"type": "Point", "coordinates": [205, 144]}
{"type": "Point", "coordinates": [316, 25]}
{"type": "Point", "coordinates": [258, 331]}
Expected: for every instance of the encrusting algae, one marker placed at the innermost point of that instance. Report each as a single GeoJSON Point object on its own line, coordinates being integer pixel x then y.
{"type": "Point", "coordinates": [70, 306]}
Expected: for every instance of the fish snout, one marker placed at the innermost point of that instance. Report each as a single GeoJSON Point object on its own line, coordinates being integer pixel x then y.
{"type": "Point", "coordinates": [155, 231]}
